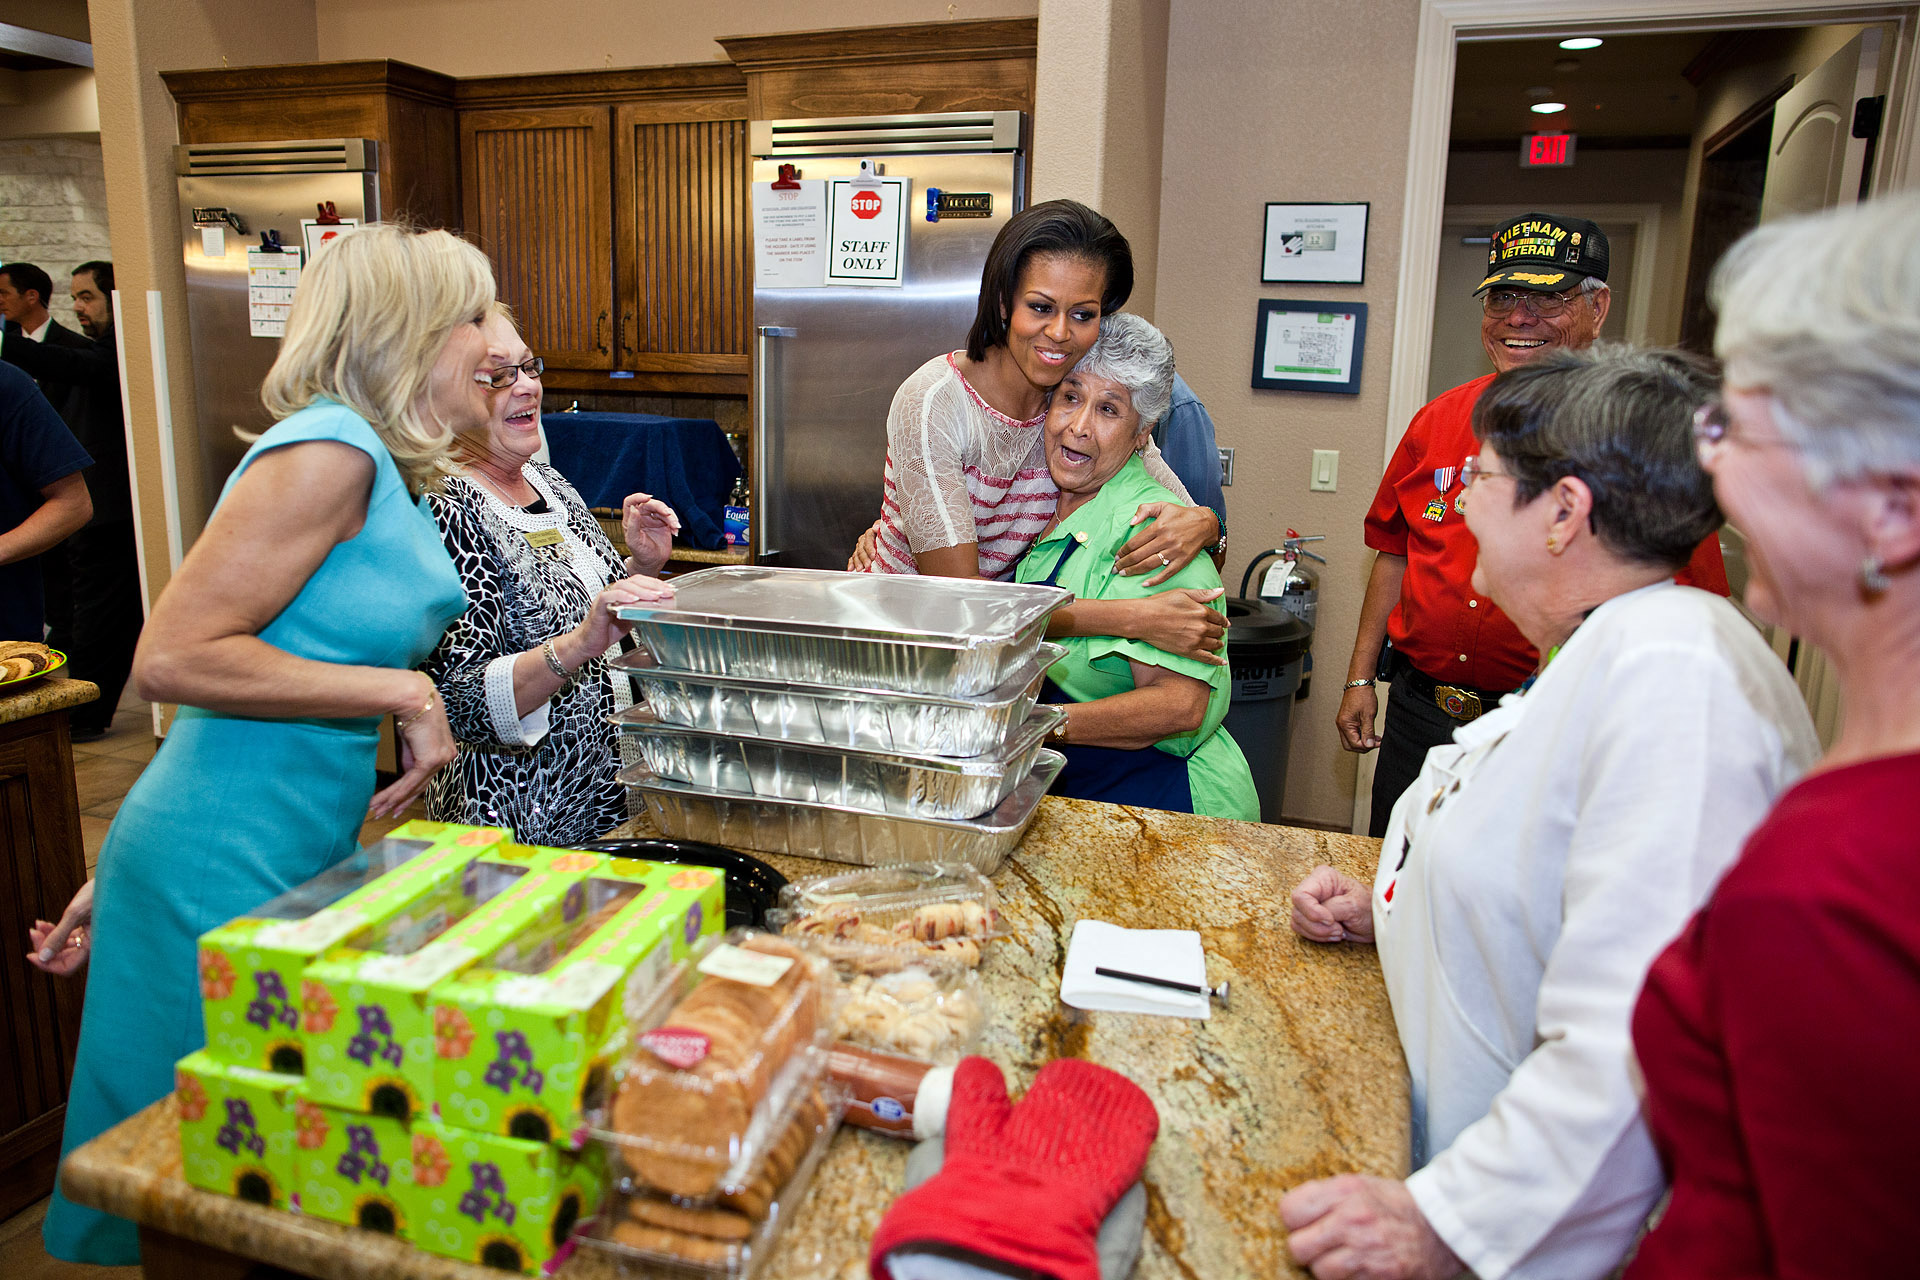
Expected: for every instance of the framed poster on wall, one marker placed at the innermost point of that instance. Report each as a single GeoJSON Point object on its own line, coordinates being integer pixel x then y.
{"type": "Point", "coordinates": [1316, 243]}
{"type": "Point", "coordinates": [1309, 346]}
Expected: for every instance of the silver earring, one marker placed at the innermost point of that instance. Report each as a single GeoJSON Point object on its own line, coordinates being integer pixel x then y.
{"type": "Point", "coordinates": [1873, 578]}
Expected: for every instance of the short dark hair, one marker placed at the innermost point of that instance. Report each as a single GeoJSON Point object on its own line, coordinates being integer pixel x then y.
{"type": "Point", "coordinates": [102, 273]}
{"type": "Point", "coordinates": [1057, 226]}
{"type": "Point", "coordinates": [1619, 419]}
{"type": "Point", "coordinates": [28, 278]}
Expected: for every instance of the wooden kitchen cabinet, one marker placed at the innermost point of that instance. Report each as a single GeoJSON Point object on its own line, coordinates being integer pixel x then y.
{"type": "Point", "coordinates": [537, 196]}
{"type": "Point", "coordinates": [42, 865]}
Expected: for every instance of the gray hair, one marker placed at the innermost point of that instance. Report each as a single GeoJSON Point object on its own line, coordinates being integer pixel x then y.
{"type": "Point", "coordinates": [1823, 312]}
{"type": "Point", "coordinates": [1131, 352]}
{"type": "Point", "coordinates": [1620, 419]}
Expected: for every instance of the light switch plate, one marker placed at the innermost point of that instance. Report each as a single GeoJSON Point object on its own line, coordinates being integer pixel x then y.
{"type": "Point", "coordinates": [1325, 477]}
{"type": "Point", "coordinates": [1226, 467]}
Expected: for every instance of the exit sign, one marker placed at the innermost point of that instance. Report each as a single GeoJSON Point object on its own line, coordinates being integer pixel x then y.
{"type": "Point", "coordinates": [1546, 151]}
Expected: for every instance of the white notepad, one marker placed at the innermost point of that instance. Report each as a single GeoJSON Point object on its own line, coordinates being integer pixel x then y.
{"type": "Point", "coordinates": [1173, 954]}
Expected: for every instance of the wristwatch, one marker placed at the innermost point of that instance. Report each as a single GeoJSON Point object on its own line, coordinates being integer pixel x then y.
{"type": "Point", "coordinates": [1357, 684]}
{"type": "Point", "coordinates": [1058, 733]}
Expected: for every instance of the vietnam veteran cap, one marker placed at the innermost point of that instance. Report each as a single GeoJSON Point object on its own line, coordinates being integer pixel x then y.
{"type": "Point", "coordinates": [1547, 253]}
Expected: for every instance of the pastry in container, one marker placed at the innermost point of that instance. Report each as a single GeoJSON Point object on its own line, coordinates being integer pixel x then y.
{"type": "Point", "coordinates": [900, 784]}
{"type": "Point", "coordinates": [650, 1233]}
{"type": "Point", "coordinates": [866, 719]}
{"type": "Point", "coordinates": [909, 1001]}
{"type": "Point", "coordinates": [941, 910]}
{"type": "Point", "coordinates": [840, 833]}
{"type": "Point", "coordinates": [727, 1049]}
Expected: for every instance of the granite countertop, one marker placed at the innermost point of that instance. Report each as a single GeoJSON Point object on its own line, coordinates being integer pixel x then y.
{"type": "Point", "coordinates": [50, 693]}
{"type": "Point", "coordinates": [1301, 1079]}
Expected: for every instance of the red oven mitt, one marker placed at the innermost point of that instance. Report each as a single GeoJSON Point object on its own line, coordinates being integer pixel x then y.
{"type": "Point", "coordinates": [1027, 1184]}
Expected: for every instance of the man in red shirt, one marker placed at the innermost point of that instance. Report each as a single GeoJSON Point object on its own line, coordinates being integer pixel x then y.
{"type": "Point", "coordinates": [1454, 653]}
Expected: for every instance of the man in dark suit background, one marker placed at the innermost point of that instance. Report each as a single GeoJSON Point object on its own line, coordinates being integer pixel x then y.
{"type": "Point", "coordinates": [96, 620]}
{"type": "Point", "coordinates": [25, 293]}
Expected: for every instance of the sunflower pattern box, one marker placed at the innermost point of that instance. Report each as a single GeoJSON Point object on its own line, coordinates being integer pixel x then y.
{"type": "Point", "coordinates": [357, 1169]}
{"type": "Point", "coordinates": [237, 1129]}
{"type": "Point", "coordinates": [524, 1050]}
{"type": "Point", "coordinates": [500, 1202]}
{"type": "Point", "coordinates": [252, 968]}
{"type": "Point", "coordinates": [364, 1004]}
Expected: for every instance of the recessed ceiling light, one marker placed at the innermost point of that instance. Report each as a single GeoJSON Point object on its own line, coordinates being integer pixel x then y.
{"type": "Point", "coordinates": [1547, 108]}
{"type": "Point", "coordinates": [1582, 42]}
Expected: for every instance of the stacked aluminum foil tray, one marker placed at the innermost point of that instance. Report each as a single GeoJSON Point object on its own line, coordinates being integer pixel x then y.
{"type": "Point", "coordinates": [861, 718]}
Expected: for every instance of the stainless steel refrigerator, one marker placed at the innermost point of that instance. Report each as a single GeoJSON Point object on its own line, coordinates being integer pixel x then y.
{"type": "Point", "coordinates": [827, 360]}
{"type": "Point", "coordinates": [230, 192]}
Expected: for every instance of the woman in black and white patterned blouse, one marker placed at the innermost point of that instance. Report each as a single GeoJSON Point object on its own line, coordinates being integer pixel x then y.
{"type": "Point", "coordinates": [524, 671]}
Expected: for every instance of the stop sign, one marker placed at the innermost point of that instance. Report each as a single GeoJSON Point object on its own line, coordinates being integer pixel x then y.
{"type": "Point", "coordinates": [866, 204]}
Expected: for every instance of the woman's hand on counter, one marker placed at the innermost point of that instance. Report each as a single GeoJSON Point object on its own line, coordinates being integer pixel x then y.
{"type": "Point", "coordinates": [61, 949]}
{"type": "Point", "coordinates": [1170, 543]}
{"type": "Point", "coordinates": [1331, 907]}
{"type": "Point", "coordinates": [648, 525]}
{"type": "Point", "coordinates": [864, 550]}
{"type": "Point", "coordinates": [1361, 1228]}
{"type": "Point", "coordinates": [426, 746]}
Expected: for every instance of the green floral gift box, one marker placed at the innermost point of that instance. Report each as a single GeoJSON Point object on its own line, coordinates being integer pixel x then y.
{"type": "Point", "coordinates": [237, 1129]}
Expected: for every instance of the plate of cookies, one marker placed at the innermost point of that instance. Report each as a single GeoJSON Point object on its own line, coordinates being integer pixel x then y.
{"type": "Point", "coordinates": [23, 661]}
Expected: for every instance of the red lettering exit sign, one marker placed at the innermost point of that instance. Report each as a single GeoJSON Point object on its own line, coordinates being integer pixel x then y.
{"type": "Point", "coordinates": [1546, 151]}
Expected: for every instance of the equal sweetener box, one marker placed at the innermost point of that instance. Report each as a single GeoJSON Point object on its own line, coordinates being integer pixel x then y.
{"type": "Point", "coordinates": [500, 1202]}
{"type": "Point", "coordinates": [237, 1129]}
{"type": "Point", "coordinates": [364, 1004]}
{"type": "Point", "coordinates": [252, 968]}
{"type": "Point", "coordinates": [524, 1041]}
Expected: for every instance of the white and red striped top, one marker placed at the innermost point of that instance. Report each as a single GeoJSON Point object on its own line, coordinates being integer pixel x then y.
{"type": "Point", "coordinates": [959, 470]}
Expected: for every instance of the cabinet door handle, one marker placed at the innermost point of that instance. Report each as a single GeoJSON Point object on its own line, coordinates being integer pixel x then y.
{"type": "Point", "coordinates": [600, 333]}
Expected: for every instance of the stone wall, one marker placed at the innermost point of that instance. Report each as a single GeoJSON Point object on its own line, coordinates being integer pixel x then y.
{"type": "Point", "coordinates": [53, 209]}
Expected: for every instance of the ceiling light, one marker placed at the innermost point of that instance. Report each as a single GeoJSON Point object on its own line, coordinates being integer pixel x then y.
{"type": "Point", "coordinates": [1547, 108]}
{"type": "Point", "coordinates": [1581, 42]}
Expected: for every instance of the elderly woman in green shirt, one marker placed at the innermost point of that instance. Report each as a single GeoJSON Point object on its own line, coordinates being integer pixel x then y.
{"type": "Point", "coordinates": [1143, 727]}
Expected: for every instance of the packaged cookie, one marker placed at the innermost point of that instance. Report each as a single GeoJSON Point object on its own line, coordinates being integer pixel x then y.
{"type": "Point", "coordinates": [725, 1050]}
{"type": "Point", "coordinates": [733, 1234]}
{"type": "Point", "coordinates": [944, 908]}
{"type": "Point", "coordinates": [902, 1000]}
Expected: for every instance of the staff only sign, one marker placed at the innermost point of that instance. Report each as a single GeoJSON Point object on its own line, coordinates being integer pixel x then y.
{"type": "Point", "coordinates": [867, 231]}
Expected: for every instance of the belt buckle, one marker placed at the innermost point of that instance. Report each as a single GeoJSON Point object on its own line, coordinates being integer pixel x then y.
{"type": "Point", "coordinates": [1458, 703]}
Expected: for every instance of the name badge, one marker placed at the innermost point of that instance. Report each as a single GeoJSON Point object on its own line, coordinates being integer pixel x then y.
{"type": "Point", "coordinates": [543, 538]}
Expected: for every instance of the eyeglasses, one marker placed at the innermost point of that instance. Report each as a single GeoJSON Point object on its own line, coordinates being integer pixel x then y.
{"type": "Point", "coordinates": [1501, 302]}
{"type": "Point", "coordinates": [508, 374]}
{"type": "Point", "coordinates": [1471, 470]}
{"type": "Point", "coordinates": [1713, 428]}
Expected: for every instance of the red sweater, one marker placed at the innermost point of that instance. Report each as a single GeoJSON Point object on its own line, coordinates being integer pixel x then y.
{"type": "Point", "coordinates": [1780, 1040]}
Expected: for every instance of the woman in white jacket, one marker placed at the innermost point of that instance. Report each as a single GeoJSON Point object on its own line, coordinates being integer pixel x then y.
{"type": "Point", "coordinates": [1543, 859]}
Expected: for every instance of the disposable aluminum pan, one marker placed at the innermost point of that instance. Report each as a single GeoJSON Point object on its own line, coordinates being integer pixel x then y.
{"type": "Point", "coordinates": [839, 834]}
{"type": "Point", "coordinates": [907, 786]}
{"type": "Point", "coordinates": [859, 719]}
{"type": "Point", "coordinates": [903, 633]}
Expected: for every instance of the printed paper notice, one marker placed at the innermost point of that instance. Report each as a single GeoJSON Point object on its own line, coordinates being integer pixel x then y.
{"type": "Point", "coordinates": [1307, 346]}
{"type": "Point", "coordinates": [271, 279]}
{"type": "Point", "coordinates": [868, 231]}
{"type": "Point", "coordinates": [790, 235]}
{"type": "Point", "coordinates": [315, 233]}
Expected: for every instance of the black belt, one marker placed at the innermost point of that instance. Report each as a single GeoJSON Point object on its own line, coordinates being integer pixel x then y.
{"type": "Point", "coordinates": [1462, 702]}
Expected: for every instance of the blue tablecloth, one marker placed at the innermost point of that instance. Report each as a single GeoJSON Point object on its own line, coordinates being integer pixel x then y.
{"type": "Point", "coordinates": [684, 462]}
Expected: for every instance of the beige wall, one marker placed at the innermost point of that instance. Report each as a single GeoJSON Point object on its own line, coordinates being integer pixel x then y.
{"type": "Point", "coordinates": [64, 18]}
{"type": "Point", "coordinates": [133, 41]}
{"type": "Point", "coordinates": [1270, 100]}
{"type": "Point", "coordinates": [1098, 118]}
{"type": "Point", "coordinates": [509, 37]}
{"type": "Point", "coordinates": [48, 104]}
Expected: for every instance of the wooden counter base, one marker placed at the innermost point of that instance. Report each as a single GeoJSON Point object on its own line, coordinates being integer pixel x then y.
{"type": "Point", "coordinates": [1301, 1079]}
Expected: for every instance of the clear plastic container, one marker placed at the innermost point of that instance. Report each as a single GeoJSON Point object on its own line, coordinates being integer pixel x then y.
{"type": "Point", "coordinates": [726, 1048]}
{"type": "Point", "coordinates": [651, 1234]}
{"type": "Point", "coordinates": [904, 1000]}
{"type": "Point", "coordinates": [947, 909]}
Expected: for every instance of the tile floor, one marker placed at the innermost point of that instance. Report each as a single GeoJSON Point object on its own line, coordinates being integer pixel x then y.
{"type": "Point", "coordinates": [103, 772]}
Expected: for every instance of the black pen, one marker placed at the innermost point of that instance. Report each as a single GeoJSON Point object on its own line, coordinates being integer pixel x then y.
{"type": "Point", "coordinates": [1218, 993]}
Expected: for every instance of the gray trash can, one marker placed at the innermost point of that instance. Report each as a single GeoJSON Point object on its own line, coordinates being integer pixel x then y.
{"type": "Point", "coordinates": [1266, 647]}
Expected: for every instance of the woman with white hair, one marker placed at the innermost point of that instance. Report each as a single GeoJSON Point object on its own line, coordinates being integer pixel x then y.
{"type": "Point", "coordinates": [287, 634]}
{"type": "Point", "coordinates": [1779, 1037]}
{"type": "Point", "coordinates": [1144, 727]}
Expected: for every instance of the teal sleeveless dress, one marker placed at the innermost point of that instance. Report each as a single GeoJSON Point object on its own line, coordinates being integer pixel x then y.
{"type": "Point", "coordinates": [234, 811]}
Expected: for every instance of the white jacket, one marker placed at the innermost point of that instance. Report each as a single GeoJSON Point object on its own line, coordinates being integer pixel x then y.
{"type": "Point", "coordinates": [1552, 851]}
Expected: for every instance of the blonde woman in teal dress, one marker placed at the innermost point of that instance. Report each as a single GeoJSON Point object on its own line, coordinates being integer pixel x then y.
{"type": "Point", "coordinates": [288, 633]}
{"type": "Point", "coordinates": [1144, 725]}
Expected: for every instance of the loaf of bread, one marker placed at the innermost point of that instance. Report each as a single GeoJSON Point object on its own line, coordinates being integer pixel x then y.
{"type": "Point", "coordinates": [686, 1123]}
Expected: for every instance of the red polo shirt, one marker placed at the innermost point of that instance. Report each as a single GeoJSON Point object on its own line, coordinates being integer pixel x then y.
{"type": "Point", "coordinates": [1446, 629]}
